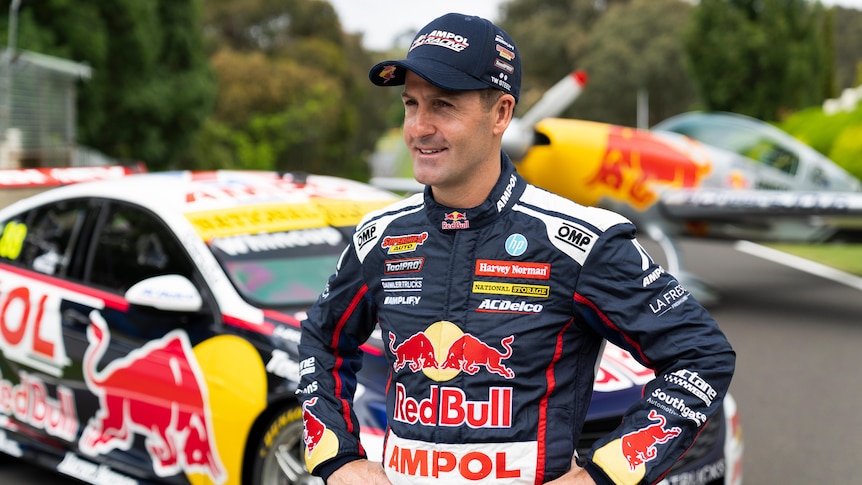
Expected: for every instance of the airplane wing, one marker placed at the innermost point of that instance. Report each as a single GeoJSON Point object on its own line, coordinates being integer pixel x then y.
{"type": "Point", "coordinates": [723, 204]}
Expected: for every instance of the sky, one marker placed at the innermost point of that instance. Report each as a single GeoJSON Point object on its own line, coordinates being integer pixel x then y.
{"type": "Point", "coordinates": [381, 21]}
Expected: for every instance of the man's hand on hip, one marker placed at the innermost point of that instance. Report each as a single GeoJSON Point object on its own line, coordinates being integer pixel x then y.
{"type": "Point", "coordinates": [359, 472]}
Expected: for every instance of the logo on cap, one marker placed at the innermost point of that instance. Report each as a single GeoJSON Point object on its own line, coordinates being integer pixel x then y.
{"type": "Point", "coordinates": [442, 38]}
{"type": "Point", "coordinates": [505, 53]}
{"type": "Point", "coordinates": [388, 73]}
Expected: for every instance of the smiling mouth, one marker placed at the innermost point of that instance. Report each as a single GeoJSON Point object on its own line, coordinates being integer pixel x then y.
{"type": "Point", "coordinates": [429, 152]}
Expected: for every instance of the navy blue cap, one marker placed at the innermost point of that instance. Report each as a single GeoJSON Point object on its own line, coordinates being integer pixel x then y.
{"type": "Point", "coordinates": [457, 52]}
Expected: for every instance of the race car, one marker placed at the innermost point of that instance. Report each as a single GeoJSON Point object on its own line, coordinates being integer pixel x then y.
{"type": "Point", "coordinates": [149, 327]}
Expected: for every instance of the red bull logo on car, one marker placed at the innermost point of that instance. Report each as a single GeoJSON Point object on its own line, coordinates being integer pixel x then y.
{"type": "Point", "coordinates": [158, 392]}
{"type": "Point", "coordinates": [442, 351]}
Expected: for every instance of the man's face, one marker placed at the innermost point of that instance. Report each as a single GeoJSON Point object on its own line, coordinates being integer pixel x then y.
{"type": "Point", "coordinates": [453, 137]}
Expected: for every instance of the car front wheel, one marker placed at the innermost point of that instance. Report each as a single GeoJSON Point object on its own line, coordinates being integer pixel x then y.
{"type": "Point", "coordinates": [280, 455]}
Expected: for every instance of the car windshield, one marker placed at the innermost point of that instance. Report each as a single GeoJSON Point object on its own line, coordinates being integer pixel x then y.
{"type": "Point", "coordinates": [280, 269]}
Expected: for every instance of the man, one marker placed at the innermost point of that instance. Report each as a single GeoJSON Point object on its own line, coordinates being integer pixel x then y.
{"type": "Point", "coordinates": [513, 290]}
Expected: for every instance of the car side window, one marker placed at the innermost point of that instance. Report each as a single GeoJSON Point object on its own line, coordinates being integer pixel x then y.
{"type": "Point", "coordinates": [44, 238]}
{"type": "Point", "coordinates": [131, 245]}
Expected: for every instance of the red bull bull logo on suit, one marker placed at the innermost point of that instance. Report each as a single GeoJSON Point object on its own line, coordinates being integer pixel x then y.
{"type": "Point", "coordinates": [320, 442]}
{"type": "Point", "coordinates": [442, 351]}
{"type": "Point", "coordinates": [625, 459]}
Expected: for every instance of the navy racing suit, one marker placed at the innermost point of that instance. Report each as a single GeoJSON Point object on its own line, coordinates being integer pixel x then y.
{"type": "Point", "coordinates": [494, 319]}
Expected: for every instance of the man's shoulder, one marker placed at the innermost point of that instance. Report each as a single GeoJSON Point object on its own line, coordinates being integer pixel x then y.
{"type": "Point", "coordinates": [552, 205]}
{"type": "Point", "coordinates": [400, 207]}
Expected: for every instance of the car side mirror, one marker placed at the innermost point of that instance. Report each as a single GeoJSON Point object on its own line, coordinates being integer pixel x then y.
{"type": "Point", "coordinates": [171, 292]}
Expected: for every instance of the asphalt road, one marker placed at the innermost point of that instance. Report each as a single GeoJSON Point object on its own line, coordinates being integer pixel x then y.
{"type": "Point", "coordinates": [798, 339]}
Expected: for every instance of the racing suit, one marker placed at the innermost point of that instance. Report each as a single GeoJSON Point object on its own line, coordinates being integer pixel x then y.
{"type": "Point", "coordinates": [493, 319]}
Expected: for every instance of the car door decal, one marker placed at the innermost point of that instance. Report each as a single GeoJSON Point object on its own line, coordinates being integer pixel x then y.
{"type": "Point", "coordinates": [175, 420]}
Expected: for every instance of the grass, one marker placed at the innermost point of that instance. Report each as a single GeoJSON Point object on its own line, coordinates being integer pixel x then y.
{"type": "Point", "coordinates": [843, 256]}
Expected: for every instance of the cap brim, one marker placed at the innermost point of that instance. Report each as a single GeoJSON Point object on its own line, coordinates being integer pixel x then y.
{"type": "Point", "coordinates": [437, 73]}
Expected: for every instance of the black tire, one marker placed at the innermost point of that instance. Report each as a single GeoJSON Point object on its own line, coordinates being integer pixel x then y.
{"type": "Point", "coordinates": [280, 453]}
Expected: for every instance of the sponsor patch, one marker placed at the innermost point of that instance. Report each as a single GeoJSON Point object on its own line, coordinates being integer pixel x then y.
{"type": "Point", "coordinates": [401, 284]}
{"type": "Point", "coordinates": [449, 406]}
{"type": "Point", "coordinates": [420, 463]}
{"type": "Point", "coordinates": [575, 236]}
{"type": "Point", "coordinates": [494, 288]}
{"type": "Point", "coordinates": [443, 351]}
{"type": "Point", "coordinates": [676, 406]}
{"type": "Point", "coordinates": [505, 53]}
{"type": "Point", "coordinates": [513, 269]}
{"type": "Point", "coordinates": [624, 460]}
{"type": "Point", "coordinates": [672, 296]}
{"type": "Point", "coordinates": [403, 244]}
{"type": "Point", "coordinates": [399, 266]}
{"type": "Point", "coordinates": [455, 220]}
{"type": "Point", "coordinates": [516, 244]}
{"type": "Point", "coordinates": [442, 38]}
{"type": "Point", "coordinates": [401, 300]}
{"type": "Point", "coordinates": [489, 305]}
{"type": "Point", "coordinates": [693, 383]}
{"type": "Point", "coordinates": [505, 66]}
{"type": "Point", "coordinates": [367, 235]}
{"type": "Point", "coordinates": [653, 277]}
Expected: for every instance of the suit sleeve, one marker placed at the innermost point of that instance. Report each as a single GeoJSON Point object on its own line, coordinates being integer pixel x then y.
{"type": "Point", "coordinates": [339, 322]}
{"type": "Point", "coordinates": [637, 305]}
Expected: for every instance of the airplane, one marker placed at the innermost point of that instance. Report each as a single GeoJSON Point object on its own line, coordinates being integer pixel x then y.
{"type": "Point", "coordinates": [698, 174]}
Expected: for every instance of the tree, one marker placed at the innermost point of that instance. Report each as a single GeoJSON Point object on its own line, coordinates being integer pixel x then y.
{"type": "Point", "coordinates": [847, 42]}
{"type": "Point", "coordinates": [623, 45]}
{"type": "Point", "coordinates": [757, 57]}
{"type": "Point", "coordinates": [637, 47]}
{"type": "Point", "coordinates": [552, 37]}
{"type": "Point", "coordinates": [151, 86]}
{"type": "Point", "coordinates": [293, 89]}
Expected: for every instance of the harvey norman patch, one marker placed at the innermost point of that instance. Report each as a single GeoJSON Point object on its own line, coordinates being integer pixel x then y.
{"type": "Point", "coordinates": [513, 269]}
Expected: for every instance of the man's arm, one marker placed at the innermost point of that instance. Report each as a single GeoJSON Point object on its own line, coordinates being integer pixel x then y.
{"type": "Point", "coordinates": [338, 323]}
{"type": "Point", "coordinates": [635, 304]}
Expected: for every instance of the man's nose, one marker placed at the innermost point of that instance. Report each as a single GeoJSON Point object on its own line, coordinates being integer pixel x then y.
{"type": "Point", "coordinates": [420, 123]}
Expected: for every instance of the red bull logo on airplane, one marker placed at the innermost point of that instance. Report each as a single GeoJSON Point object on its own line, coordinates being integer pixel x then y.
{"type": "Point", "coordinates": [173, 415]}
{"type": "Point", "coordinates": [636, 163]}
{"type": "Point", "coordinates": [442, 351]}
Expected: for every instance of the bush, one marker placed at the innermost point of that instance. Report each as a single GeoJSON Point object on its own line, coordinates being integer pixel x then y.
{"type": "Point", "coordinates": [837, 136]}
{"type": "Point", "coordinates": [847, 150]}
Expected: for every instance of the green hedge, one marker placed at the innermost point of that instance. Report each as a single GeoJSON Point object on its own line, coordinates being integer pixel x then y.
{"type": "Point", "coordinates": [837, 136]}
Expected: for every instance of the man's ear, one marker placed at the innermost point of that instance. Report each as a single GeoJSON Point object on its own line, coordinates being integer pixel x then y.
{"type": "Point", "coordinates": [504, 109]}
